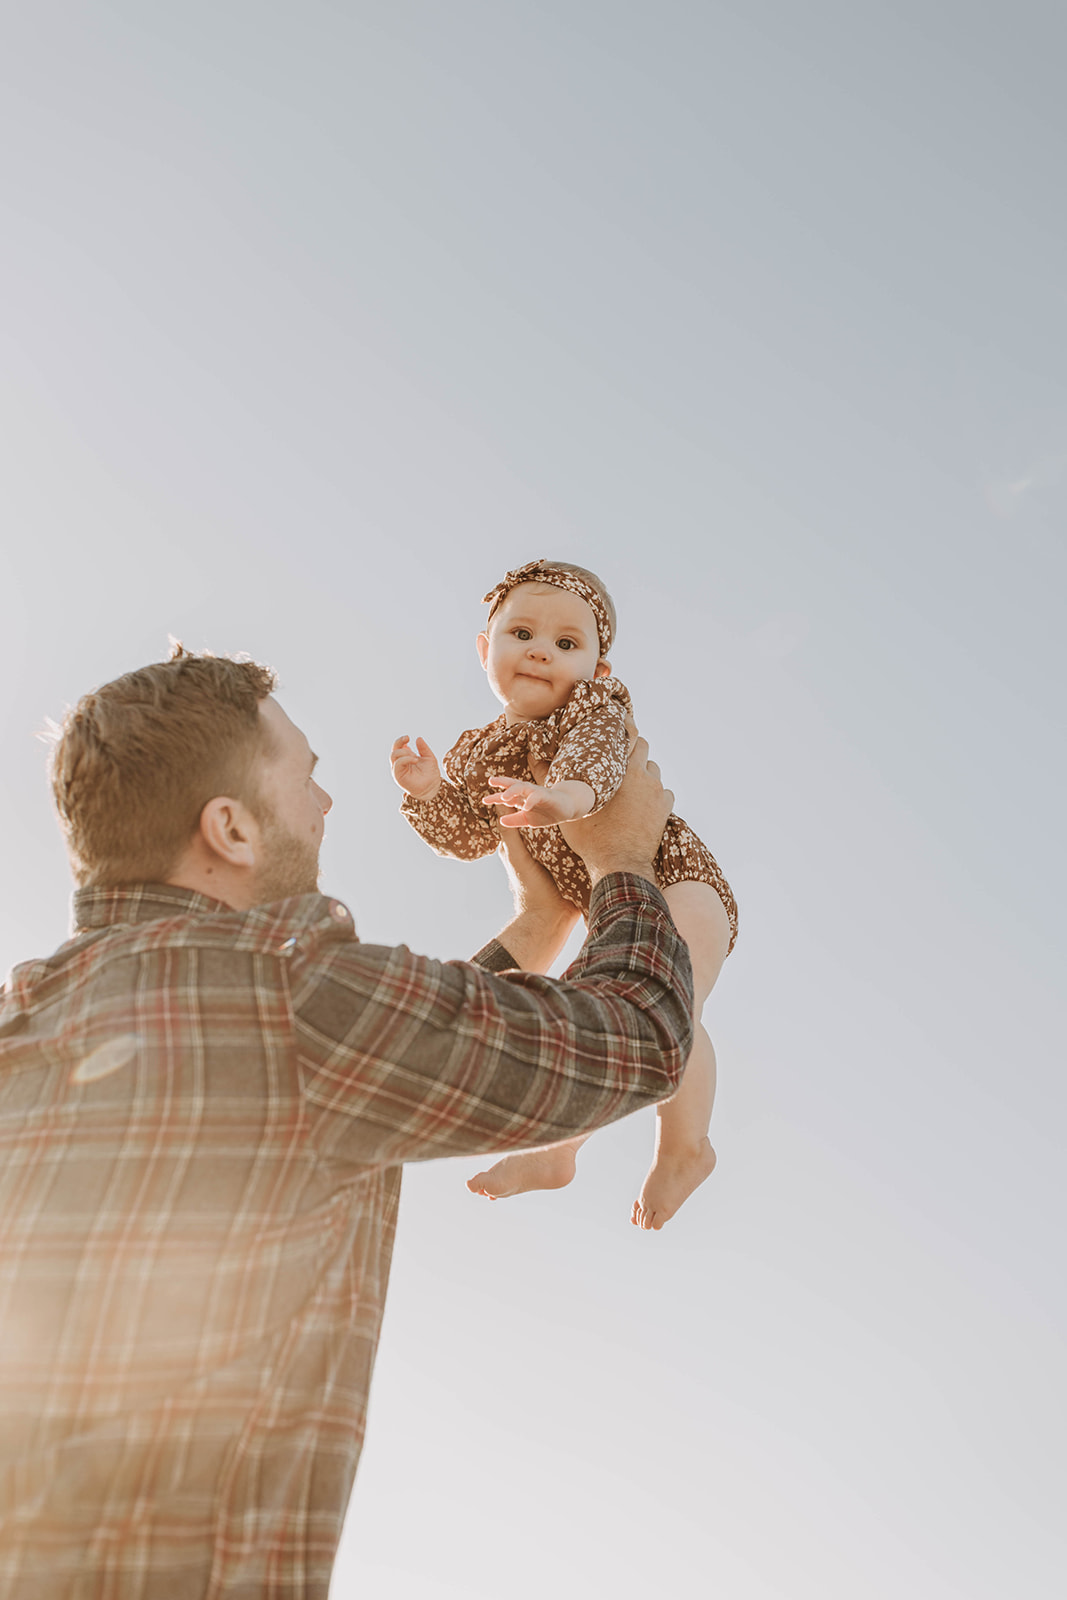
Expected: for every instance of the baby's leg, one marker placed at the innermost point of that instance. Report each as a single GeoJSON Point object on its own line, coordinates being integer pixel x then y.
{"type": "Point", "coordinates": [683, 1156]}
{"type": "Point", "coordinates": [551, 1167]}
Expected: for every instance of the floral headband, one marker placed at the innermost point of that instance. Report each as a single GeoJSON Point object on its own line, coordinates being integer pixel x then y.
{"type": "Point", "coordinates": [543, 571]}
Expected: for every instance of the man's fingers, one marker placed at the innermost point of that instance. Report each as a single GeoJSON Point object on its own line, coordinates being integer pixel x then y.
{"type": "Point", "coordinates": [639, 758]}
{"type": "Point", "coordinates": [630, 827]}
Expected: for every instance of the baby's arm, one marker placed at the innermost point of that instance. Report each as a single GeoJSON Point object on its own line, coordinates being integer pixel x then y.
{"type": "Point", "coordinates": [418, 775]}
{"type": "Point", "coordinates": [587, 769]}
{"type": "Point", "coordinates": [439, 811]}
{"type": "Point", "coordinates": [540, 806]}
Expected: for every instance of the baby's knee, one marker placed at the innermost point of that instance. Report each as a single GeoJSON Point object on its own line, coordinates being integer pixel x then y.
{"type": "Point", "coordinates": [704, 924]}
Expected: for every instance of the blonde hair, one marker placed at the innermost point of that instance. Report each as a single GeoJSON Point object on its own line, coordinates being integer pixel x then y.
{"type": "Point", "coordinates": [136, 761]}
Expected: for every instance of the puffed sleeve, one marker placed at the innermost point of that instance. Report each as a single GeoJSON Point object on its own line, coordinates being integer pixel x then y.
{"type": "Point", "coordinates": [450, 823]}
{"type": "Point", "coordinates": [593, 745]}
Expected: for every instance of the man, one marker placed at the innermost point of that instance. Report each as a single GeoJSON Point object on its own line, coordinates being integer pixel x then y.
{"type": "Point", "coordinates": [206, 1097]}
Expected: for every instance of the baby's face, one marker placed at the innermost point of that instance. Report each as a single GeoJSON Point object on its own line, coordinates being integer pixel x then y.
{"type": "Point", "coordinates": [540, 643]}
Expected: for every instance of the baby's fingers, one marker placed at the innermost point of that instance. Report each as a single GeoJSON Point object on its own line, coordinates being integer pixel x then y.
{"type": "Point", "coordinates": [515, 819]}
{"type": "Point", "coordinates": [508, 798]}
{"type": "Point", "coordinates": [514, 792]}
{"type": "Point", "coordinates": [402, 748]}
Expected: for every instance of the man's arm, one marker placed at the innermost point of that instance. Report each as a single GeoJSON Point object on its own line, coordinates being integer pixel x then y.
{"type": "Point", "coordinates": [543, 919]}
{"type": "Point", "coordinates": [406, 1059]}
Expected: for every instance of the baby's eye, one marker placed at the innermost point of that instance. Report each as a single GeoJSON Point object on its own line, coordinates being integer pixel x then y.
{"type": "Point", "coordinates": [566, 644]}
{"type": "Point", "coordinates": [523, 633]}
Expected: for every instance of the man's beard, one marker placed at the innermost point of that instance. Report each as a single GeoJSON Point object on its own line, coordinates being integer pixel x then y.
{"type": "Point", "coordinates": [290, 866]}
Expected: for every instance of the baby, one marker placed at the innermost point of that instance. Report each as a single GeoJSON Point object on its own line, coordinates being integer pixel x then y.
{"type": "Point", "coordinates": [545, 649]}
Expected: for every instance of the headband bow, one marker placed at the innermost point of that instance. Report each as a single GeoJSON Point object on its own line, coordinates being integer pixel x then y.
{"type": "Point", "coordinates": [542, 571]}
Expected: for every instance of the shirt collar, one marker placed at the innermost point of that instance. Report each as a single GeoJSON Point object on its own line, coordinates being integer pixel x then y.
{"type": "Point", "coordinates": [138, 902]}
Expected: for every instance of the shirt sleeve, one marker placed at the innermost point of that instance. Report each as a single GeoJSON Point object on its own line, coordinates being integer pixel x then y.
{"type": "Point", "coordinates": [449, 824]}
{"type": "Point", "coordinates": [595, 749]}
{"type": "Point", "coordinates": [405, 1059]}
{"type": "Point", "coordinates": [494, 958]}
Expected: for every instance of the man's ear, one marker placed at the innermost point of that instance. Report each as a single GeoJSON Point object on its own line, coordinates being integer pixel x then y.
{"type": "Point", "coordinates": [602, 668]}
{"type": "Point", "coordinates": [229, 831]}
{"type": "Point", "coordinates": [482, 642]}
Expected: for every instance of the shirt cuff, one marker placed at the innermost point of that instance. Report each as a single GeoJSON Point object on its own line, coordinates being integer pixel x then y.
{"type": "Point", "coordinates": [622, 889]}
{"type": "Point", "coordinates": [618, 889]}
{"type": "Point", "coordinates": [494, 958]}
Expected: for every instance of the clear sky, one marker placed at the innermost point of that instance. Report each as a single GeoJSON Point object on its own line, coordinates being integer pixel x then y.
{"type": "Point", "coordinates": [314, 318]}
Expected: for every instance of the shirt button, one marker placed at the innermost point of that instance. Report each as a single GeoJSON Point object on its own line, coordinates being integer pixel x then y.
{"type": "Point", "coordinates": [341, 912]}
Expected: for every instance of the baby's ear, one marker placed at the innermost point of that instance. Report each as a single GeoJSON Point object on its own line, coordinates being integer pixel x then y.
{"type": "Point", "coordinates": [482, 642]}
{"type": "Point", "coordinates": [602, 668]}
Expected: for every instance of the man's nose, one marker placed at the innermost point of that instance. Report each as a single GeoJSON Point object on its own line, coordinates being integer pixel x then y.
{"type": "Point", "coordinates": [325, 800]}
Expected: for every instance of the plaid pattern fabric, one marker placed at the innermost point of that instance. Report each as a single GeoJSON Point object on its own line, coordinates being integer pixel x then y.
{"type": "Point", "coordinates": [202, 1118]}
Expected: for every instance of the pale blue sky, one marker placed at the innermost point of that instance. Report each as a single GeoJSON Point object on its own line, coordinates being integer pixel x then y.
{"type": "Point", "coordinates": [315, 319]}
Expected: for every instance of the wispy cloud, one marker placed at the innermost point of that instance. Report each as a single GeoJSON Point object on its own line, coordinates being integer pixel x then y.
{"type": "Point", "coordinates": [1007, 495]}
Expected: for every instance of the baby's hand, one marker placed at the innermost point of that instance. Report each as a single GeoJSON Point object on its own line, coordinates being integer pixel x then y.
{"type": "Point", "coordinates": [538, 807]}
{"type": "Point", "coordinates": [418, 775]}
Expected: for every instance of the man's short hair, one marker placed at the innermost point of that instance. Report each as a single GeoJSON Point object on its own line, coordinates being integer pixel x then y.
{"type": "Point", "coordinates": [136, 761]}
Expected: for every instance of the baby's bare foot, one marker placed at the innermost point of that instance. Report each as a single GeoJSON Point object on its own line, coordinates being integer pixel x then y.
{"type": "Point", "coordinates": [528, 1169]}
{"type": "Point", "coordinates": [672, 1177]}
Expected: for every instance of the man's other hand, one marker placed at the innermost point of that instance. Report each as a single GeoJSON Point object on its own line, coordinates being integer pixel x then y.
{"type": "Point", "coordinates": [625, 835]}
{"type": "Point", "coordinates": [543, 919]}
{"type": "Point", "coordinates": [532, 887]}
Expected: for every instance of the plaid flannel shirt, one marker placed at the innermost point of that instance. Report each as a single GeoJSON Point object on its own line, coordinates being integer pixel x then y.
{"type": "Point", "coordinates": [203, 1116]}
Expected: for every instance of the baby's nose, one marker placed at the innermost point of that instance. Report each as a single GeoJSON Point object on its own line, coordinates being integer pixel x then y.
{"type": "Point", "coordinates": [541, 651]}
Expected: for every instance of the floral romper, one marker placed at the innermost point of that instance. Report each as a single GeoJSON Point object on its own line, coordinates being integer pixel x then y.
{"type": "Point", "coordinates": [585, 739]}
